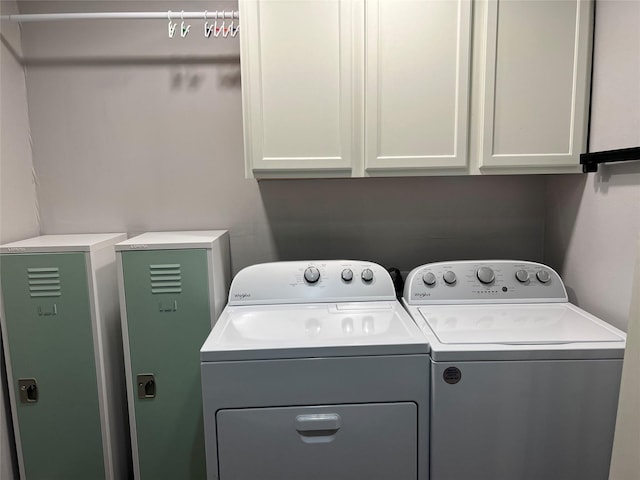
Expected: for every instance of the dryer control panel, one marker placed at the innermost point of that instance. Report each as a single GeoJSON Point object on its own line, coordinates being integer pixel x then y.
{"type": "Point", "coordinates": [311, 282]}
{"type": "Point", "coordinates": [483, 281]}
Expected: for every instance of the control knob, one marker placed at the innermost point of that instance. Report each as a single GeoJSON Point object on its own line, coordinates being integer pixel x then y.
{"type": "Point", "coordinates": [449, 277]}
{"type": "Point", "coordinates": [522, 276]}
{"type": "Point", "coordinates": [544, 276]}
{"type": "Point", "coordinates": [312, 274]}
{"type": "Point", "coordinates": [367, 275]}
{"type": "Point", "coordinates": [429, 279]}
{"type": "Point", "coordinates": [347, 275]}
{"type": "Point", "coordinates": [485, 275]}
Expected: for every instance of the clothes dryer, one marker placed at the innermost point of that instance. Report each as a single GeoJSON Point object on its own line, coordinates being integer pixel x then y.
{"type": "Point", "coordinates": [524, 385]}
{"type": "Point", "coordinates": [315, 371]}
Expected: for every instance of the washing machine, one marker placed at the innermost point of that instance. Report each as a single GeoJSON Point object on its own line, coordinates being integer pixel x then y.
{"type": "Point", "coordinates": [315, 371]}
{"type": "Point", "coordinates": [524, 385]}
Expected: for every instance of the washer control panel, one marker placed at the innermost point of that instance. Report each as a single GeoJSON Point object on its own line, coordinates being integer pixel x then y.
{"type": "Point", "coordinates": [311, 282]}
{"type": "Point", "coordinates": [491, 281]}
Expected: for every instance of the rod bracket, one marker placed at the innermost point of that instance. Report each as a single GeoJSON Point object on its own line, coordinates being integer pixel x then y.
{"type": "Point", "coordinates": [590, 161]}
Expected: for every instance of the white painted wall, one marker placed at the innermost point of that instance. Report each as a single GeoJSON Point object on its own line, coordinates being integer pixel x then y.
{"type": "Point", "coordinates": [133, 131]}
{"type": "Point", "coordinates": [18, 209]}
{"type": "Point", "coordinates": [625, 461]}
{"type": "Point", "coordinates": [593, 221]}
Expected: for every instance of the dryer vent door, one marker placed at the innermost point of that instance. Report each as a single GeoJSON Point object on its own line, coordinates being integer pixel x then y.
{"type": "Point", "coordinates": [342, 442]}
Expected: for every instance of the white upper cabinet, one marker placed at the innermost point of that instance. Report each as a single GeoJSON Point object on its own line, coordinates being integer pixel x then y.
{"type": "Point", "coordinates": [297, 84]}
{"type": "Point", "coordinates": [357, 88]}
{"type": "Point", "coordinates": [536, 85]}
{"type": "Point", "coordinates": [417, 84]}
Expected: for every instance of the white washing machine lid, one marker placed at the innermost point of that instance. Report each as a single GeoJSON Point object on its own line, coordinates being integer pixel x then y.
{"type": "Point", "coordinates": [534, 324]}
{"type": "Point", "coordinates": [313, 330]}
{"type": "Point", "coordinates": [551, 331]}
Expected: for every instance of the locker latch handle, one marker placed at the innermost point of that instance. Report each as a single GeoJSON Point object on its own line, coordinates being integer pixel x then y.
{"type": "Point", "coordinates": [28, 390]}
{"type": "Point", "coordinates": [146, 386]}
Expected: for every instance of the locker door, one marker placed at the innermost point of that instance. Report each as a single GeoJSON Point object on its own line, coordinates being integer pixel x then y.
{"type": "Point", "coordinates": [168, 320]}
{"type": "Point", "coordinates": [48, 320]}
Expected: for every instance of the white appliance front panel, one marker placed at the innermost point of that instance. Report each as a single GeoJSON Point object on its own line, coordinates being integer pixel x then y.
{"type": "Point", "coordinates": [290, 331]}
{"type": "Point", "coordinates": [374, 380]}
{"type": "Point", "coordinates": [523, 420]}
{"type": "Point", "coordinates": [515, 324]}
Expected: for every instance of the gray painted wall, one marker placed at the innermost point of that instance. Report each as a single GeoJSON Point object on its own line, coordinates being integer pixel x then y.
{"type": "Point", "coordinates": [593, 221]}
{"type": "Point", "coordinates": [133, 131]}
{"type": "Point", "coordinates": [18, 209]}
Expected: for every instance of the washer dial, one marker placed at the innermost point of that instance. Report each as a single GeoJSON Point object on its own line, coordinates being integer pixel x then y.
{"type": "Point", "coordinates": [485, 275]}
{"type": "Point", "coordinates": [522, 276]}
{"type": "Point", "coordinates": [544, 276]}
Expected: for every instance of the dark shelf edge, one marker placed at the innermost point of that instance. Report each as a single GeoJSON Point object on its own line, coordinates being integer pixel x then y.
{"type": "Point", "coordinates": [590, 161]}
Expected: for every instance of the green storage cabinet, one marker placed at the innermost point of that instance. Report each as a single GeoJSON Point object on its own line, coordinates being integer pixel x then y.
{"type": "Point", "coordinates": [66, 376]}
{"type": "Point", "coordinates": [173, 286]}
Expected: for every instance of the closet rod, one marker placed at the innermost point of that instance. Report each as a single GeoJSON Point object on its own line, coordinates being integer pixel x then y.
{"type": "Point", "coordinates": [45, 17]}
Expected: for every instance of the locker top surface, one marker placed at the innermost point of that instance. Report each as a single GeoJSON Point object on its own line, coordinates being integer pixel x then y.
{"type": "Point", "coordinates": [88, 242]}
{"type": "Point", "coordinates": [172, 240]}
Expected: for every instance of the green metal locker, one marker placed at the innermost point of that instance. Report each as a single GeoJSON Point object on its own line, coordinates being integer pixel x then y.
{"type": "Point", "coordinates": [59, 297]}
{"type": "Point", "coordinates": [173, 287]}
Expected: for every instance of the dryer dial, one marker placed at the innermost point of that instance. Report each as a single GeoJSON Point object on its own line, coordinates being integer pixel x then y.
{"type": "Point", "coordinates": [312, 274]}
{"type": "Point", "coordinates": [429, 279]}
{"type": "Point", "coordinates": [449, 277]}
{"type": "Point", "coordinates": [367, 275]}
{"type": "Point", "coordinates": [347, 274]}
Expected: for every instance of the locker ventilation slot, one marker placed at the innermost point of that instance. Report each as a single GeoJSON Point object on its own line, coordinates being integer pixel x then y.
{"type": "Point", "coordinates": [165, 278]}
{"type": "Point", "coordinates": [44, 282]}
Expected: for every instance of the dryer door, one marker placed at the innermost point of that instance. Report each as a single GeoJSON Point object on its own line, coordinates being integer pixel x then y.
{"type": "Point", "coordinates": [342, 442]}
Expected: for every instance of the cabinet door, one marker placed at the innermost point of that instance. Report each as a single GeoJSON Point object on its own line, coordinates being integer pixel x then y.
{"type": "Point", "coordinates": [536, 85]}
{"type": "Point", "coordinates": [50, 342]}
{"type": "Point", "coordinates": [297, 85]}
{"type": "Point", "coordinates": [417, 83]}
{"type": "Point", "coordinates": [168, 320]}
